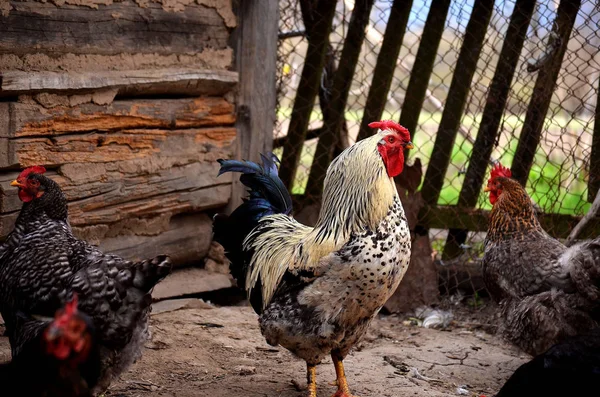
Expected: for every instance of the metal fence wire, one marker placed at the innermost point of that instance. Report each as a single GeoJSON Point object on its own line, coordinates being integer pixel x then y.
{"type": "Point", "coordinates": [539, 119]}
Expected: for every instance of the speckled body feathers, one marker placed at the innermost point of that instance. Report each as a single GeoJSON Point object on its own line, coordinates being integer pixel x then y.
{"type": "Point", "coordinates": [42, 264]}
{"type": "Point", "coordinates": [331, 311]}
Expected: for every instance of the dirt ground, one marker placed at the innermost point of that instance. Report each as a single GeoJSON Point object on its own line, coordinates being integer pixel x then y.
{"type": "Point", "coordinates": [201, 350]}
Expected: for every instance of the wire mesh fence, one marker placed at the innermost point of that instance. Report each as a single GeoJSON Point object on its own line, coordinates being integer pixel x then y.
{"type": "Point", "coordinates": [549, 92]}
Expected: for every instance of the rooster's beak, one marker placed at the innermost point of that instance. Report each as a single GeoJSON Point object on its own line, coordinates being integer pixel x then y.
{"type": "Point", "coordinates": [409, 145]}
{"type": "Point", "coordinates": [487, 189]}
{"type": "Point", "coordinates": [16, 183]}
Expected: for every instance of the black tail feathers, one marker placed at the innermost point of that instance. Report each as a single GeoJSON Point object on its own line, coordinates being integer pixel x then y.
{"type": "Point", "coordinates": [267, 196]}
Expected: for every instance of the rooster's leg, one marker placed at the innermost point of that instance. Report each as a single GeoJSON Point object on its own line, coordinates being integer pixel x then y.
{"type": "Point", "coordinates": [311, 379]}
{"type": "Point", "coordinates": [343, 389]}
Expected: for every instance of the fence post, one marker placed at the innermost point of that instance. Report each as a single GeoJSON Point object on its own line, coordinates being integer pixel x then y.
{"type": "Point", "coordinates": [423, 65]}
{"type": "Point", "coordinates": [490, 120]}
{"type": "Point", "coordinates": [531, 132]}
{"type": "Point", "coordinates": [308, 87]}
{"type": "Point", "coordinates": [386, 65]}
{"type": "Point", "coordinates": [256, 58]}
{"type": "Point", "coordinates": [341, 86]}
{"type": "Point", "coordinates": [456, 100]}
{"type": "Point", "coordinates": [594, 180]}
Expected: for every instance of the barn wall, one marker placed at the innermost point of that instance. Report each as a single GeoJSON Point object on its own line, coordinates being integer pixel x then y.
{"type": "Point", "coordinates": [128, 105]}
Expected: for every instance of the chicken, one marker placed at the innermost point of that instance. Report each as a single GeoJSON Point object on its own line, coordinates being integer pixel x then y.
{"type": "Point", "coordinates": [61, 353]}
{"type": "Point", "coordinates": [547, 291]}
{"type": "Point", "coordinates": [316, 290]}
{"type": "Point", "coordinates": [42, 264]}
{"type": "Point", "coordinates": [570, 368]}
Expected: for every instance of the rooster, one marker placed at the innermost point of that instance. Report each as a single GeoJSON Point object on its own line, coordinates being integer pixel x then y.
{"type": "Point", "coordinates": [62, 354]}
{"type": "Point", "coordinates": [42, 264]}
{"type": "Point", "coordinates": [547, 291]}
{"type": "Point", "coordinates": [316, 290]}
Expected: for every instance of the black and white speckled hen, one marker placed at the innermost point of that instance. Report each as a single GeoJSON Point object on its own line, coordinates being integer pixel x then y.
{"type": "Point", "coordinates": [547, 291]}
{"type": "Point", "coordinates": [42, 264]}
{"type": "Point", "coordinates": [55, 357]}
{"type": "Point", "coordinates": [318, 289]}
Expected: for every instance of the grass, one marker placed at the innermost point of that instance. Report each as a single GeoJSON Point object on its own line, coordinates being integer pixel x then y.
{"type": "Point", "coordinates": [555, 188]}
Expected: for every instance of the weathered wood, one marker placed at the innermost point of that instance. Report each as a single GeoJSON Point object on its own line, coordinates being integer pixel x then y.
{"type": "Point", "coordinates": [476, 220]}
{"type": "Point", "coordinates": [99, 187]}
{"type": "Point", "coordinates": [125, 82]}
{"type": "Point", "coordinates": [466, 65]}
{"type": "Point", "coordinates": [117, 146]}
{"type": "Point", "coordinates": [423, 65]}
{"type": "Point", "coordinates": [192, 200]}
{"type": "Point", "coordinates": [308, 87]}
{"type": "Point", "coordinates": [24, 120]}
{"type": "Point", "coordinates": [490, 120]}
{"type": "Point", "coordinates": [339, 97]}
{"type": "Point", "coordinates": [186, 241]}
{"type": "Point", "coordinates": [386, 65]}
{"type": "Point", "coordinates": [531, 132]}
{"type": "Point", "coordinates": [190, 281]}
{"type": "Point", "coordinates": [112, 28]}
{"type": "Point", "coordinates": [594, 178]}
{"type": "Point", "coordinates": [256, 62]}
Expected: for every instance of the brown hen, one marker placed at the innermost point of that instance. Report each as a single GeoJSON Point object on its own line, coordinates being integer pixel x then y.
{"type": "Point", "coordinates": [546, 290]}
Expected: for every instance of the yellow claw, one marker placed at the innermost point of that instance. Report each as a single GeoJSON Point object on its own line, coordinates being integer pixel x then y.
{"type": "Point", "coordinates": [311, 379]}
{"type": "Point", "coordinates": [343, 389]}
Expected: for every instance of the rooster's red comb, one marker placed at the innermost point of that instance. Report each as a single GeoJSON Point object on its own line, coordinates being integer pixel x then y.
{"type": "Point", "coordinates": [500, 170]}
{"type": "Point", "coordinates": [390, 125]}
{"type": "Point", "coordinates": [37, 169]}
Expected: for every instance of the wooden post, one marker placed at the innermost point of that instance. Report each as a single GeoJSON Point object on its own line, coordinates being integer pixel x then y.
{"type": "Point", "coordinates": [386, 65]}
{"type": "Point", "coordinates": [255, 58]}
{"type": "Point", "coordinates": [490, 121]}
{"type": "Point", "coordinates": [531, 133]}
{"type": "Point", "coordinates": [341, 86]}
{"type": "Point", "coordinates": [308, 88]}
{"type": "Point", "coordinates": [423, 66]}
{"type": "Point", "coordinates": [594, 181]}
{"type": "Point", "coordinates": [457, 97]}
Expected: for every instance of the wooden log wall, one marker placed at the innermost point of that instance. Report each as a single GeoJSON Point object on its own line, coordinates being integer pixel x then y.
{"type": "Point", "coordinates": [128, 105]}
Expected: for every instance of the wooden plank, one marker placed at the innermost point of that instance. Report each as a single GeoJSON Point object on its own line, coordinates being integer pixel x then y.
{"type": "Point", "coordinates": [308, 88]}
{"type": "Point", "coordinates": [118, 146]}
{"type": "Point", "coordinates": [191, 281]}
{"type": "Point", "coordinates": [339, 97]}
{"type": "Point", "coordinates": [186, 241]}
{"type": "Point", "coordinates": [110, 29]}
{"type": "Point", "coordinates": [466, 65]}
{"type": "Point", "coordinates": [28, 120]}
{"type": "Point", "coordinates": [423, 65]}
{"type": "Point", "coordinates": [179, 81]}
{"type": "Point", "coordinates": [191, 200]}
{"type": "Point", "coordinates": [594, 179]}
{"type": "Point", "coordinates": [476, 220]}
{"type": "Point", "coordinates": [256, 62]}
{"type": "Point", "coordinates": [490, 120]}
{"type": "Point", "coordinates": [91, 187]}
{"type": "Point", "coordinates": [531, 132]}
{"type": "Point", "coordinates": [386, 65]}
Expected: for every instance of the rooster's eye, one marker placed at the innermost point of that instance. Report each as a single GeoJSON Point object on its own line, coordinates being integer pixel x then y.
{"type": "Point", "coordinates": [391, 139]}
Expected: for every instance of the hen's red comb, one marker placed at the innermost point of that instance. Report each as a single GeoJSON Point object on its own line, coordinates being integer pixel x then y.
{"type": "Point", "coordinates": [37, 169]}
{"type": "Point", "coordinates": [390, 125]}
{"type": "Point", "coordinates": [63, 316]}
{"type": "Point", "coordinates": [500, 170]}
